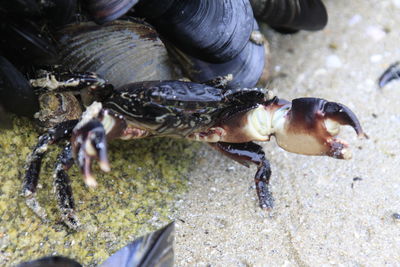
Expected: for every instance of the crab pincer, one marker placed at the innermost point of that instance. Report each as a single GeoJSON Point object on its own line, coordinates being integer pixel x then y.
{"type": "Point", "coordinates": [311, 126]}
{"type": "Point", "coordinates": [89, 141]}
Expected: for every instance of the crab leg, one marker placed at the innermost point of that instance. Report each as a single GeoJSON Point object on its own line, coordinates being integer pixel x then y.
{"type": "Point", "coordinates": [246, 153]}
{"type": "Point", "coordinates": [67, 81]}
{"type": "Point", "coordinates": [63, 188]}
{"type": "Point", "coordinates": [34, 164]}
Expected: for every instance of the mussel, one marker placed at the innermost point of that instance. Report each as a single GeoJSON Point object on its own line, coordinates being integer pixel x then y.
{"type": "Point", "coordinates": [25, 43]}
{"type": "Point", "coordinates": [16, 94]}
{"type": "Point", "coordinates": [154, 249]}
{"type": "Point", "coordinates": [246, 68]}
{"type": "Point", "coordinates": [105, 11]}
{"type": "Point", "coordinates": [214, 31]}
{"type": "Point", "coordinates": [120, 51]}
{"type": "Point", "coordinates": [291, 15]}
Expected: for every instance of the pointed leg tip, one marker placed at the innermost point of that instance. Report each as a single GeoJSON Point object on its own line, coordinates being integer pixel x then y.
{"type": "Point", "coordinates": [363, 135]}
{"type": "Point", "coordinates": [90, 181]}
{"type": "Point", "coordinates": [267, 204]}
{"type": "Point", "coordinates": [105, 166]}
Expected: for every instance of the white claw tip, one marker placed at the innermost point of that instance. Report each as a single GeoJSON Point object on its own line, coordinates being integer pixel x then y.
{"type": "Point", "coordinates": [90, 181]}
{"type": "Point", "coordinates": [104, 166]}
{"type": "Point", "coordinates": [347, 154]}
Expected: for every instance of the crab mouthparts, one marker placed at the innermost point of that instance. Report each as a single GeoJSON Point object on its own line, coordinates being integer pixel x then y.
{"type": "Point", "coordinates": [311, 125]}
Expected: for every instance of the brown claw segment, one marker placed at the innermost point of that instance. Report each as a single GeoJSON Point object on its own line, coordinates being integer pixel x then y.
{"type": "Point", "coordinates": [312, 125]}
{"type": "Point", "coordinates": [88, 143]}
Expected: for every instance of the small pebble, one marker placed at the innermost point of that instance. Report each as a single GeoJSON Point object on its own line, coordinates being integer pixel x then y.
{"type": "Point", "coordinates": [333, 61]}
{"type": "Point", "coordinates": [375, 58]}
{"type": "Point", "coordinates": [396, 216]}
{"type": "Point", "coordinates": [354, 20]}
{"type": "Point", "coordinates": [375, 32]}
{"type": "Point", "coordinates": [231, 169]}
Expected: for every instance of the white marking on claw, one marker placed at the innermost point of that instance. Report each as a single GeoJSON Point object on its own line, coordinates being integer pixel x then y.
{"type": "Point", "coordinates": [91, 112]}
{"type": "Point", "coordinates": [346, 153]}
{"type": "Point", "coordinates": [89, 148]}
{"type": "Point", "coordinates": [332, 127]}
{"type": "Point", "coordinates": [108, 122]}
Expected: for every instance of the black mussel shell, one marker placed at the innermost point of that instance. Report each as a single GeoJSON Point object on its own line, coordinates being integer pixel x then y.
{"type": "Point", "coordinates": [390, 74]}
{"type": "Point", "coordinates": [16, 94]}
{"type": "Point", "coordinates": [59, 12]}
{"type": "Point", "coordinates": [25, 43]}
{"type": "Point", "coordinates": [152, 250]}
{"type": "Point", "coordinates": [120, 51]}
{"type": "Point", "coordinates": [104, 11]}
{"type": "Point", "coordinates": [5, 118]}
{"type": "Point", "coordinates": [291, 15]}
{"type": "Point", "coordinates": [247, 67]}
{"type": "Point", "coordinates": [214, 31]}
{"type": "Point", "coordinates": [19, 8]}
{"type": "Point", "coordinates": [53, 261]}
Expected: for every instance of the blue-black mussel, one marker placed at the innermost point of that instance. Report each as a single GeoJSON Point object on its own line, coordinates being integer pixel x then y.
{"type": "Point", "coordinates": [152, 250]}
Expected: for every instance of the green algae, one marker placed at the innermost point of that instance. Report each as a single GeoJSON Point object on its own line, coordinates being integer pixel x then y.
{"type": "Point", "coordinates": [134, 198]}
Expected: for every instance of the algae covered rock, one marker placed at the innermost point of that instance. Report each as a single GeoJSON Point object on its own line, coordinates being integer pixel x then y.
{"type": "Point", "coordinates": [135, 197]}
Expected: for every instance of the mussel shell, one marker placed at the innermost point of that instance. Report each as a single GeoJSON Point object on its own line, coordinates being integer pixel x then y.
{"type": "Point", "coordinates": [108, 10]}
{"type": "Point", "coordinates": [20, 8]}
{"type": "Point", "coordinates": [291, 15]}
{"type": "Point", "coordinates": [152, 250]}
{"type": "Point", "coordinates": [16, 94]}
{"type": "Point", "coordinates": [59, 12]}
{"type": "Point", "coordinates": [52, 261]}
{"type": "Point", "coordinates": [121, 52]}
{"type": "Point", "coordinates": [214, 31]}
{"type": "Point", "coordinates": [26, 44]}
{"type": "Point", "coordinates": [247, 67]}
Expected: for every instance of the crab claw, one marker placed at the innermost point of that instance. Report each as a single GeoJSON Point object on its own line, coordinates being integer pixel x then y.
{"type": "Point", "coordinates": [310, 125]}
{"type": "Point", "coordinates": [88, 143]}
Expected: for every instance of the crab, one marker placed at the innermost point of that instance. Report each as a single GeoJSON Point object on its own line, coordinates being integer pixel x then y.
{"type": "Point", "coordinates": [229, 120]}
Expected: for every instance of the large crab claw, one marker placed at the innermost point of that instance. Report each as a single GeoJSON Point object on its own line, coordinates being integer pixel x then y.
{"type": "Point", "coordinates": [310, 125]}
{"type": "Point", "coordinates": [88, 143]}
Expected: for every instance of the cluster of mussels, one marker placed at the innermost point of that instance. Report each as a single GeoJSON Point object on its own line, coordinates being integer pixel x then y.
{"type": "Point", "coordinates": [127, 41]}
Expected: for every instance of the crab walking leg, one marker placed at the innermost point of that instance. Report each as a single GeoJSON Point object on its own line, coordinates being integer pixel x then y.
{"type": "Point", "coordinates": [246, 153]}
{"type": "Point", "coordinates": [34, 163]}
{"type": "Point", "coordinates": [63, 188]}
{"type": "Point", "coordinates": [32, 176]}
{"type": "Point", "coordinates": [68, 81]}
{"type": "Point", "coordinates": [220, 82]}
